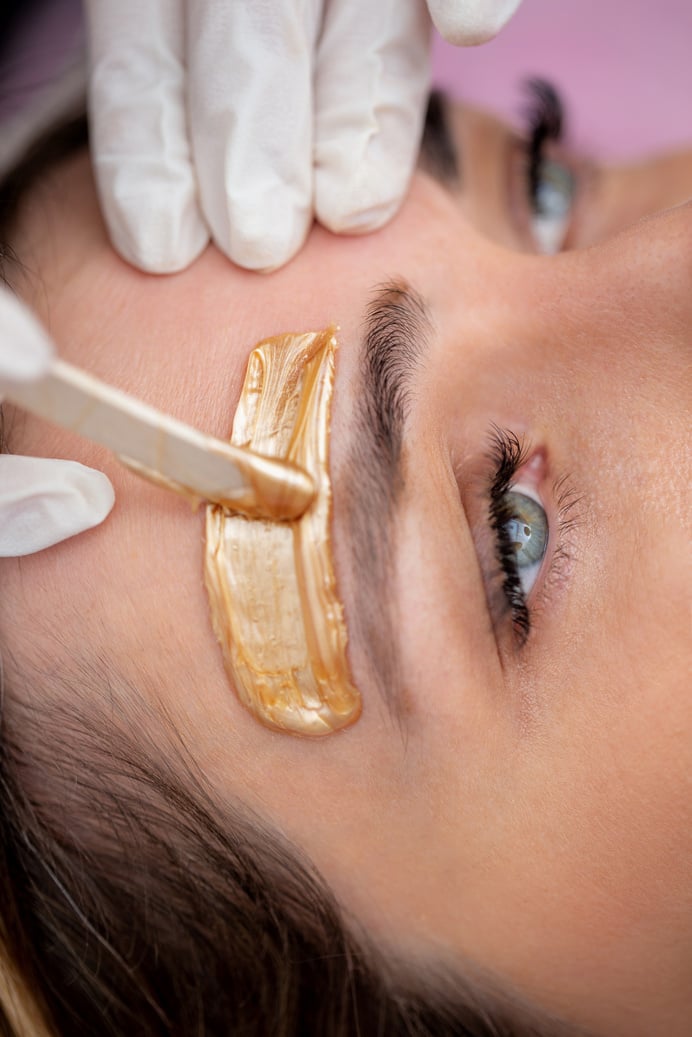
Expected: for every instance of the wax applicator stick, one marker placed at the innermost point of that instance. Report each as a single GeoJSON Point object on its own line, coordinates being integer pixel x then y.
{"type": "Point", "coordinates": [163, 449]}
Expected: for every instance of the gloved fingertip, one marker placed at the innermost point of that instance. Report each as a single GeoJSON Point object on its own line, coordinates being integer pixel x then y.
{"type": "Point", "coordinates": [155, 247]}
{"type": "Point", "coordinates": [469, 23]}
{"type": "Point", "coordinates": [44, 501]}
{"type": "Point", "coordinates": [349, 201]}
{"type": "Point", "coordinates": [97, 495]}
{"type": "Point", "coordinates": [359, 219]}
{"type": "Point", "coordinates": [154, 232]}
{"type": "Point", "coordinates": [263, 245]}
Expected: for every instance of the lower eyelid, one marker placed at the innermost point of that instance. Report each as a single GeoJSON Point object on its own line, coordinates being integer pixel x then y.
{"type": "Point", "coordinates": [585, 206]}
{"type": "Point", "coordinates": [561, 503]}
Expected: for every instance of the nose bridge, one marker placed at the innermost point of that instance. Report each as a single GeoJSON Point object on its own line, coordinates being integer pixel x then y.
{"type": "Point", "coordinates": [646, 269]}
{"type": "Point", "coordinates": [628, 302]}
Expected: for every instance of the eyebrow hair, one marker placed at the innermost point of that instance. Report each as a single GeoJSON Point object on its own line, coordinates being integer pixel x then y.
{"type": "Point", "coordinates": [439, 155]}
{"type": "Point", "coordinates": [397, 329]}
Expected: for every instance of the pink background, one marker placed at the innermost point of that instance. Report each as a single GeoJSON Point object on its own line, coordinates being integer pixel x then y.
{"type": "Point", "coordinates": [624, 68]}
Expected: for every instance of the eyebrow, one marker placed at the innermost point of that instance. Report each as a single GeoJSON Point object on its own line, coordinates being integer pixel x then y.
{"type": "Point", "coordinates": [439, 155]}
{"type": "Point", "coordinates": [396, 333]}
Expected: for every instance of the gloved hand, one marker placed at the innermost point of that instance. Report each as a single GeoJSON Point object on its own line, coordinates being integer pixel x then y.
{"type": "Point", "coordinates": [467, 23]}
{"type": "Point", "coordinates": [42, 501]}
{"type": "Point", "coordinates": [241, 120]}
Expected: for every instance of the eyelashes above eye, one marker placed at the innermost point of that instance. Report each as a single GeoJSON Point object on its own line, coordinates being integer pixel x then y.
{"type": "Point", "coordinates": [550, 183]}
{"type": "Point", "coordinates": [545, 122]}
{"type": "Point", "coordinates": [520, 527]}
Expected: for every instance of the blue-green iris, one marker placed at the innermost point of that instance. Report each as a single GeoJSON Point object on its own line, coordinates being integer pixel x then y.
{"type": "Point", "coordinates": [528, 530]}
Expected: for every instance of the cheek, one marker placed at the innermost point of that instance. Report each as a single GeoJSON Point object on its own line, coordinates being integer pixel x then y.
{"type": "Point", "coordinates": [604, 775]}
{"type": "Point", "coordinates": [593, 865]}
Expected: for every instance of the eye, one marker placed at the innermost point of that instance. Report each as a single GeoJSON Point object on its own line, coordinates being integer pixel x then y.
{"type": "Point", "coordinates": [526, 529]}
{"type": "Point", "coordinates": [552, 199]}
{"type": "Point", "coordinates": [550, 183]}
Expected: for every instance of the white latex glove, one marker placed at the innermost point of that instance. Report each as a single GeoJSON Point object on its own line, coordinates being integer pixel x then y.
{"type": "Point", "coordinates": [42, 500]}
{"type": "Point", "coordinates": [241, 120]}
{"type": "Point", "coordinates": [467, 23]}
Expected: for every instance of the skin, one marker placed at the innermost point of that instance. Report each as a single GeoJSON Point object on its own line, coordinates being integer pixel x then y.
{"type": "Point", "coordinates": [530, 813]}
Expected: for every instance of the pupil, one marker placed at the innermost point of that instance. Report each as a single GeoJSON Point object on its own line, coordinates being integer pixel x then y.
{"type": "Point", "coordinates": [518, 532]}
{"type": "Point", "coordinates": [527, 530]}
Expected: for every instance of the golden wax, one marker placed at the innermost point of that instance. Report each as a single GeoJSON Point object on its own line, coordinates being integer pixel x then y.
{"type": "Point", "coordinates": [272, 588]}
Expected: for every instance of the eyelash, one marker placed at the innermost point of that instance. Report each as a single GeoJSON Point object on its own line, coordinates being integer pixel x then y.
{"type": "Point", "coordinates": [545, 123]}
{"type": "Point", "coordinates": [507, 454]}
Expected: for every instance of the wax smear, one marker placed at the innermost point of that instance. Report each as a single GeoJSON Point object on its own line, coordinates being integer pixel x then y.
{"type": "Point", "coordinates": [272, 588]}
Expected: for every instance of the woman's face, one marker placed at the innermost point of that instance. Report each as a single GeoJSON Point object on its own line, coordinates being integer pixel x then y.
{"type": "Point", "coordinates": [519, 801]}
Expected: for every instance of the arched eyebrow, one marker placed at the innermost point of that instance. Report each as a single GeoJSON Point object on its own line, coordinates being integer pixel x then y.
{"type": "Point", "coordinates": [397, 330]}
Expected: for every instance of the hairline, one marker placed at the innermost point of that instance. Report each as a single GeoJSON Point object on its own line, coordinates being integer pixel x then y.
{"type": "Point", "coordinates": [165, 767]}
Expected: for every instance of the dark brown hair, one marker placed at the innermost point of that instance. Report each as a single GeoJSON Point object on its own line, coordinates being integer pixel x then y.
{"type": "Point", "coordinates": [133, 900]}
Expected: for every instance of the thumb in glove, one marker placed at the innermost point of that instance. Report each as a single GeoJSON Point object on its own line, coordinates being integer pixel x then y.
{"type": "Point", "coordinates": [42, 500]}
